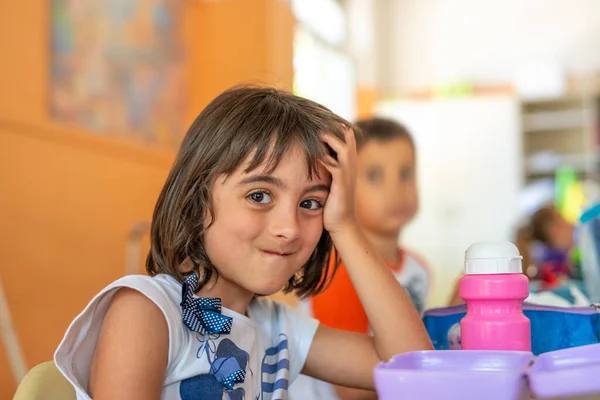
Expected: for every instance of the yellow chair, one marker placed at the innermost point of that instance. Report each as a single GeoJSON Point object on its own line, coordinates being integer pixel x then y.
{"type": "Point", "coordinates": [45, 382]}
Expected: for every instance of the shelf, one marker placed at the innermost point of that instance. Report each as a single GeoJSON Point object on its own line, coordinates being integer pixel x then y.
{"type": "Point", "coordinates": [543, 121]}
{"type": "Point", "coordinates": [559, 132]}
{"type": "Point", "coordinates": [543, 102]}
{"type": "Point", "coordinates": [544, 163]}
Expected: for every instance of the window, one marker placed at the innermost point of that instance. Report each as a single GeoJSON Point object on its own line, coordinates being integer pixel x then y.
{"type": "Point", "coordinates": [323, 71]}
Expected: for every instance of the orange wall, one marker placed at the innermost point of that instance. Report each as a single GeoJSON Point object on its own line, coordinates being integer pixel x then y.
{"type": "Point", "coordinates": [238, 41]}
{"type": "Point", "coordinates": [68, 197]}
{"type": "Point", "coordinates": [65, 212]}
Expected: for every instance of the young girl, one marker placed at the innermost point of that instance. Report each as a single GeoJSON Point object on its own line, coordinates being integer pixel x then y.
{"type": "Point", "coordinates": [263, 185]}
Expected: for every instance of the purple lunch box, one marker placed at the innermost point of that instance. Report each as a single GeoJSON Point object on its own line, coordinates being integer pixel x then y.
{"type": "Point", "coordinates": [489, 375]}
{"type": "Point", "coordinates": [454, 374]}
{"type": "Point", "coordinates": [568, 372]}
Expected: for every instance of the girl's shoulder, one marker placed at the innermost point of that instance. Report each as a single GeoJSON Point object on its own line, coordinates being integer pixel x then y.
{"type": "Point", "coordinates": [74, 354]}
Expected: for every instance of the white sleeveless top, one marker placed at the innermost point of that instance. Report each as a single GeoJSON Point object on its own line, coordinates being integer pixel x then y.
{"type": "Point", "coordinates": [270, 345]}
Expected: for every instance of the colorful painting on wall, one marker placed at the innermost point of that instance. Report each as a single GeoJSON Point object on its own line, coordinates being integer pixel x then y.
{"type": "Point", "coordinates": [117, 67]}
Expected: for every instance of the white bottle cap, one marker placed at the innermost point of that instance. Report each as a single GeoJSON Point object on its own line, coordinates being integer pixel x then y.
{"type": "Point", "coordinates": [493, 258]}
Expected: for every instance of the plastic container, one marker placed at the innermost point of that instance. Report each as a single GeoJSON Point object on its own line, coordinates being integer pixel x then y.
{"type": "Point", "coordinates": [490, 375]}
{"type": "Point", "coordinates": [566, 373]}
{"type": "Point", "coordinates": [454, 375]}
{"type": "Point", "coordinates": [494, 288]}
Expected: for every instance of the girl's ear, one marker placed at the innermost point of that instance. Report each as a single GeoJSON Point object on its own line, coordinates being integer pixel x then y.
{"type": "Point", "coordinates": [208, 218]}
{"type": "Point", "coordinates": [208, 208]}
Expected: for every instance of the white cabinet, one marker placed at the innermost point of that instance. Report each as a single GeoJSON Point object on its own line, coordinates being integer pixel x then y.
{"type": "Point", "coordinates": [470, 170]}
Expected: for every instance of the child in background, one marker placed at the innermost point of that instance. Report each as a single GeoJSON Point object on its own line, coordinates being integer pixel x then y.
{"type": "Point", "coordinates": [261, 188]}
{"type": "Point", "coordinates": [546, 242]}
{"type": "Point", "coordinates": [386, 200]}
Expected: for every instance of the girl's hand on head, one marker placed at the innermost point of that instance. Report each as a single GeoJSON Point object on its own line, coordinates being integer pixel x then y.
{"type": "Point", "coordinates": [339, 209]}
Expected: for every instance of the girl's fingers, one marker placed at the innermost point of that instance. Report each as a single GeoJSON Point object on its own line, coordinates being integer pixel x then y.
{"type": "Point", "coordinates": [350, 137]}
{"type": "Point", "coordinates": [345, 152]}
{"type": "Point", "coordinates": [327, 159]}
{"type": "Point", "coordinates": [334, 142]}
{"type": "Point", "coordinates": [331, 165]}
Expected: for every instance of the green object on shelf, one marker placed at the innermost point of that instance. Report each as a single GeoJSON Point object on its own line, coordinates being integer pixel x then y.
{"type": "Point", "coordinates": [456, 89]}
{"type": "Point", "coordinates": [564, 178]}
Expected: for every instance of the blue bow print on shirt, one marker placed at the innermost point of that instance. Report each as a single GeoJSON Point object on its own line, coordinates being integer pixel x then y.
{"type": "Point", "coordinates": [202, 314]}
{"type": "Point", "coordinates": [228, 371]}
{"type": "Point", "coordinates": [227, 361]}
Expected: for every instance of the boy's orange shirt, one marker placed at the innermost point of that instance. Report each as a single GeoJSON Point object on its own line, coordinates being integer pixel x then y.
{"type": "Point", "coordinates": [339, 305]}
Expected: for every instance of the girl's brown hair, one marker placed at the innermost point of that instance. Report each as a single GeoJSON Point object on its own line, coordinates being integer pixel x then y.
{"type": "Point", "coordinates": [244, 121]}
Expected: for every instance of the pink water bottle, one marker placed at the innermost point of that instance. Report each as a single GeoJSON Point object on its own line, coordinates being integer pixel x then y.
{"type": "Point", "coordinates": [494, 288]}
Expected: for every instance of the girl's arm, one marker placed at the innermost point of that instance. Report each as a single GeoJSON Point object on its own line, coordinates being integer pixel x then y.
{"type": "Point", "coordinates": [394, 320]}
{"type": "Point", "coordinates": [347, 358]}
{"type": "Point", "coordinates": [131, 354]}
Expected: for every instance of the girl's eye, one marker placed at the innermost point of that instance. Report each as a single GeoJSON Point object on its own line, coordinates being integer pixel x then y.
{"type": "Point", "coordinates": [311, 204]}
{"type": "Point", "coordinates": [260, 197]}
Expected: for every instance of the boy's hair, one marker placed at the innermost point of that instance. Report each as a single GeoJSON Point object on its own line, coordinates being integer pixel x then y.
{"type": "Point", "coordinates": [382, 129]}
{"type": "Point", "coordinates": [241, 122]}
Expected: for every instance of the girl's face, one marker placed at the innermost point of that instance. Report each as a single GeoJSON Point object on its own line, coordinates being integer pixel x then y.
{"type": "Point", "coordinates": [266, 226]}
